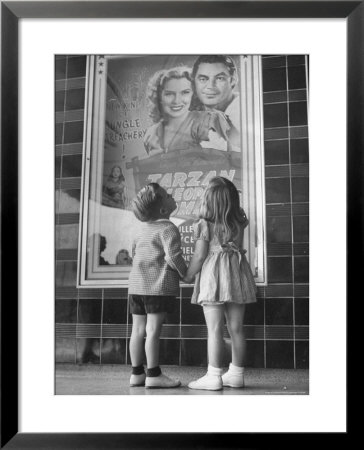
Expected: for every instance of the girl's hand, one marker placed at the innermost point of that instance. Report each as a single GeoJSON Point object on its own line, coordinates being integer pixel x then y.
{"type": "Point", "coordinates": [187, 279]}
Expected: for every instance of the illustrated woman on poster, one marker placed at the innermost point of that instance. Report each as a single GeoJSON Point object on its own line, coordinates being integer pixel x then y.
{"type": "Point", "coordinates": [113, 191]}
{"type": "Point", "coordinates": [177, 126]}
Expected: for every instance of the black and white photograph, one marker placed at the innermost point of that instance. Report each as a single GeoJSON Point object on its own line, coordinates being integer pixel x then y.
{"type": "Point", "coordinates": [181, 189]}
{"type": "Point", "coordinates": [182, 224]}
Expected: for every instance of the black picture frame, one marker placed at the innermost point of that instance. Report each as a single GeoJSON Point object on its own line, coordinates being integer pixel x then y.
{"type": "Point", "coordinates": [11, 13]}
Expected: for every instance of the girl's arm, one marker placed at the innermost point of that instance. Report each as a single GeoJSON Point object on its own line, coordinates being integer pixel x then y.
{"type": "Point", "coordinates": [199, 256]}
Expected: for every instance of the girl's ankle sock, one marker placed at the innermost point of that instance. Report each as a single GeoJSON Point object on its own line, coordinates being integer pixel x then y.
{"type": "Point", "coordinates": [214, 370]}
{"type": "Point", "coordinates": [154, 372]}
{"type": "Point", "coordinates": [236, 370]}
{"type": "Point", "coordinates": [137, 370]}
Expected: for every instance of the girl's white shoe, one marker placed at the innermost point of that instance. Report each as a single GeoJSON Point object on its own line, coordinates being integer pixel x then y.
{"type": "Point", "coordinates": [234, 377]}
{"type": "Point", "coordinates": [210, 382]}
{"type": "Point", "coordinates": [207, 382]}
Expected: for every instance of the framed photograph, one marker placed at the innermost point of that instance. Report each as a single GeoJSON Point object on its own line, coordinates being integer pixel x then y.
{"type": "Point", "coordinates": [116, 131]}
{"type": "Point", "coordinates": [125, 149]}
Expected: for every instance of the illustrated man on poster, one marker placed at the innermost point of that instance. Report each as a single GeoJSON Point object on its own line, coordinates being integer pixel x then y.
{"type": "Point", "coordinates": [215, 78]}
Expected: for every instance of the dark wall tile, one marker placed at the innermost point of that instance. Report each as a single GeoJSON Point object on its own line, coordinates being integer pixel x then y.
{"type": "Point", "coordinates": [301, 269]}
{"type": "Point", "coordinates": [76, 67]}
{"type": "Point", "coordinates": [299, 151]}
{"type": "Point", "coordinates": [254, 354]}
{"type": "Point", "coordinates": [279, 311]}
{"type": "Point", "coordinates": [60, 69]}
{"type": "Point", "coordinates": [280, 269]}
{"type": "Point", "coordinates": [275, 97]}
{"type": "Point", "coordinates": [279, 229]}
{"type": "Point", "coordinates": [113, 351]}
{"type": "Point", "coordinates": [66, 273]}
{"type": "Point", "coordinates": [279, 355]}
{"type": "Point", "coordinates": [276, 133]}
{"type": "Point", "coordinates": [301, 311]}
{"type": "Point", "coordinates": [192, 314]}
{"type": "Point", "coordinates": [273, 61]}
{"type": "Point", "coordinates": [60, 96]}
{"type": "Point", "coordinates": [276, 152]}
{"type": "Point", "coordinates": [296, 60]}
{"type": "Point", "coordinates": [194, 352]}
{"type": "Point", "coordinates": [300, 189]}
{"type": "Point", "coordinates": [274, 79]}
{"type": "Point", "coordinates": [296, 77]}
{"type": "Point", "coordinates": [301, 229]}
{"type": "Point", "coordinates": [75, 99]}
{"type": "Point", "coordinates": [72, 166]}
{"type": "Point", "coordinates": [115, 310]}
{"type": "Point", "coordinates": [58, 133]}
{"type": "Point", "coordinates": [275, 115]}
{"type": "Point", "coordinates": [277, 190]}
{"type": "Point", "coordinates": [302, 355]}
{"type": "Point", "coordinates": [297, 113]}
{"type": "Point", "coordinates": [174, 316]}
{"type": "Point", "coordinates": [169, 351]}
{"type": "Point", "coordinates": [58, 166]}
{"type": "Point", "coordinates": [73, 132]}
{"type": "Point", "coordinates": [89, 310]}
{"type": "Point", "coordinates": [254, 313]}
{"type": "Point", "coordinates": [88, 351]}
{"type": "Point", "coordinates": [66, 311]}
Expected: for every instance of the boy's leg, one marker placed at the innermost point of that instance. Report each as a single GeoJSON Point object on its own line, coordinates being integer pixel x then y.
{"type": "Point", "coordinates": [136, 345]}
{"type": "Point", "coordinates": [155, 378]}
{"type": "Point", "coordinates": [153, 328]}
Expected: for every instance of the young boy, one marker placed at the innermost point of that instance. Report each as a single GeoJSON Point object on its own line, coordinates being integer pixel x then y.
{"type": "Point", "coordinates": [157, 268]}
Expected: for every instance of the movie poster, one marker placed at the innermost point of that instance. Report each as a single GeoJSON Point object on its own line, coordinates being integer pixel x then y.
{"type": "Point", "coordinates": [178, 121]}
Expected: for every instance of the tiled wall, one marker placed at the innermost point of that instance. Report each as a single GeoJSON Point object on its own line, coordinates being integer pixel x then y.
{"type": "Point", "coordinates": [93, 325]}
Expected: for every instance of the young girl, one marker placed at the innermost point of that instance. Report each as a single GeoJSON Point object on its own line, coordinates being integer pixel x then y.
{"type": "Point", "coordinates": [177, 126]}
{"type": "Point", "coordinates": [157, 268]}
{"type": "Point", "coordinates": [224, 282]}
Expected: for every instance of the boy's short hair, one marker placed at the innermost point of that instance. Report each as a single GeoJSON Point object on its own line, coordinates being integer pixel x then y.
{"type": "Point", "coordinates": [146, 205]}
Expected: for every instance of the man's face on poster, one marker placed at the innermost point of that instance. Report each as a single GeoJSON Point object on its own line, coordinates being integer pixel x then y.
{"type": "Point", "coordinates": [214, 85]}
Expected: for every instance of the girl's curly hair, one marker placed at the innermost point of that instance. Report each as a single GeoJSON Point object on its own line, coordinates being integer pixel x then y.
{"type": "Point", "coordinates": [156, 84]}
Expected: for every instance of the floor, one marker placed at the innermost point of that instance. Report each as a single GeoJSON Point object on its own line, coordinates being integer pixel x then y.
{"type": "Point", "coordinates": [89, 379]}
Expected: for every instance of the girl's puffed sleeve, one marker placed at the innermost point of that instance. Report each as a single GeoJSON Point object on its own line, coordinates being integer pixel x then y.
{"type": "Point", "coordinates": [201, 230]}
{"type": "Point", "coordinates": [209, 120]}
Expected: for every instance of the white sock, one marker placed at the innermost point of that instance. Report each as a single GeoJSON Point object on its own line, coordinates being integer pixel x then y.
{"type": "Point", "coordinates": [236, 370]}
{"type": "Point", "coordinates": [214, 370]}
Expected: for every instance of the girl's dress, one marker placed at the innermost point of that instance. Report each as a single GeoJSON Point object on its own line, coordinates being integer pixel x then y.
{"type": "Point", "coordinates": [225, 275]}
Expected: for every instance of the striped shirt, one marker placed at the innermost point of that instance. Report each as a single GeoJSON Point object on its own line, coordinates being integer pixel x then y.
{"type": "Point", "coordinates": [158, 264]}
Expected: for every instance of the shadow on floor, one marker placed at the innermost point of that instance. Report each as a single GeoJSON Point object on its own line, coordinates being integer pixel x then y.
{"type": "Point", "coordinates": [73, 379]}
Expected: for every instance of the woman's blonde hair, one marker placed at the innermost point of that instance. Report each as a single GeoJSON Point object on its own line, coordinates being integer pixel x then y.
{"type": "Point", "coordinates": [156, 85]}
{"type": "Point", "coordinates": [221, 206]}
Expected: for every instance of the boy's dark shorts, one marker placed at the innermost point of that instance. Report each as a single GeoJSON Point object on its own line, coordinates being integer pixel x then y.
{"type": "Point", "coordinates": [149, 304]}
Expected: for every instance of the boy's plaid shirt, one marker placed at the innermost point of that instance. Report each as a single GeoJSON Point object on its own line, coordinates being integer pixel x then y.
{"type": "Point", "coordinates": [158, 264]}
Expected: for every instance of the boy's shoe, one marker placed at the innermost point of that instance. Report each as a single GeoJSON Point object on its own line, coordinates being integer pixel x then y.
{"type": "Point", "coordinates": [137, 380]}
{"type": "Point", "coordinates": [207, 382]}
{"type": "Point", "coordinates": [161, 381]}
{"type": "Point", "coordinates": [233, 380]}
